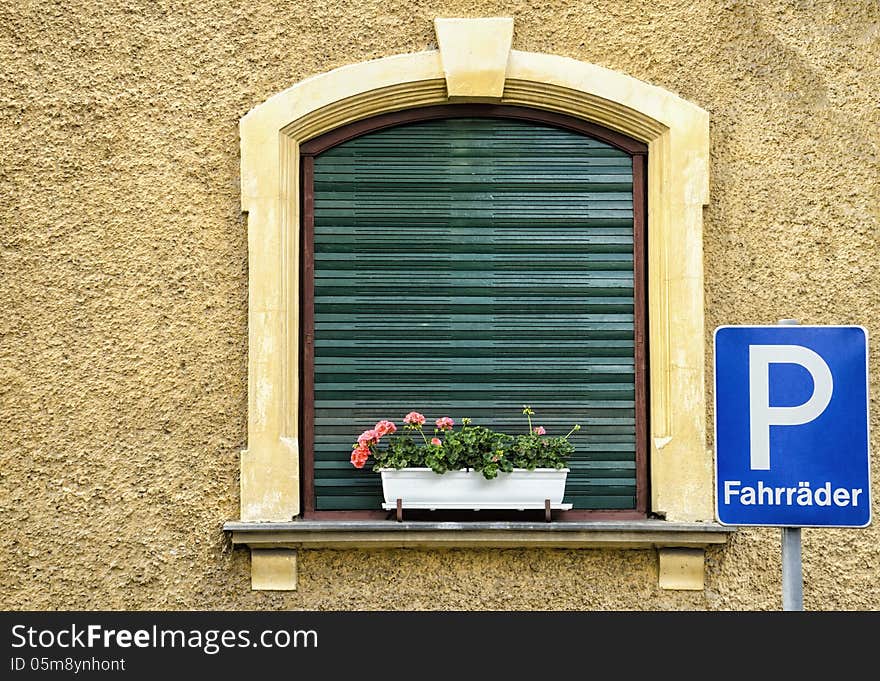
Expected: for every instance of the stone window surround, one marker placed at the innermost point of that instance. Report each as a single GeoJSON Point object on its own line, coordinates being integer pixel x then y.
{"type": "Point", "coordinates": [475, 63]}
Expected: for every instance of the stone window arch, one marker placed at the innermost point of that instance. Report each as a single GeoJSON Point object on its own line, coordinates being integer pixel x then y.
{"type": "Point", "coordinates": [475, 62]}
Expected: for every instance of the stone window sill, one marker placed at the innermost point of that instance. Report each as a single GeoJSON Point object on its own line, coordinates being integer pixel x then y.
{"type": "Point", "coordinates": [361, 534]}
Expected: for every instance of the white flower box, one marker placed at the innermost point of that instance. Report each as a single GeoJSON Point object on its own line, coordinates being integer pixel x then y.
{"type": "Point", "coordinates": [520, 490]}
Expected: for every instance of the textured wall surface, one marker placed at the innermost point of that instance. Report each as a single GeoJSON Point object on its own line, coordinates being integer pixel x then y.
{"type": "Point", "coordinates": [123, 338]}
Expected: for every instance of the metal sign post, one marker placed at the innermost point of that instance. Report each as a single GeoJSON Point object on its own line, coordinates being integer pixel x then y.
{"type": "Point", "coordinates": [792, 563]}
{"type": "Point", "coordinates": [792, 577]}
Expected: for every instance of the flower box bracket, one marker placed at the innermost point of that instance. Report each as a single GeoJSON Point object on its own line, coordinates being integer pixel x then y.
{"type": "Point", "coordinates": [548, 507]}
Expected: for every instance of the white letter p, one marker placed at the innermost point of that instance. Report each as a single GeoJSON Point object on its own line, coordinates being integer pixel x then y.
{"type": "Point", "coordinates": [762, 415]}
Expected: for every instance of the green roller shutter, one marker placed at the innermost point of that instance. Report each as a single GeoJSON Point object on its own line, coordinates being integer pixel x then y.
{"type": "Point", "coordinates": [465, 267]}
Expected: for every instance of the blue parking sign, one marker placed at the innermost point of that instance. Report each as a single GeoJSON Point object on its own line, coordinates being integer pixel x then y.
{"type": "Point", "coordinates": [791, 426]}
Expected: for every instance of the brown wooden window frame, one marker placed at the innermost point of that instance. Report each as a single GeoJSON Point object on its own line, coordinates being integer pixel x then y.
{"type": "Point", "coordinates": [639, 153]}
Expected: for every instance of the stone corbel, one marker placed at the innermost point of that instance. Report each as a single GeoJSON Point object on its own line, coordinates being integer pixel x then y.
{"type": "Point", "coordinates": [273, 570]}
{"type": "Point", "coordinates": [681, 569]}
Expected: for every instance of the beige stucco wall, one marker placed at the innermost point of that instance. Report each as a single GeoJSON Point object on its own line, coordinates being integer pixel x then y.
{"type": "Point", "coordinates": [123, 361]}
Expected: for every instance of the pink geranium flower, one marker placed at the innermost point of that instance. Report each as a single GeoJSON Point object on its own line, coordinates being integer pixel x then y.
{"type": "Point", "coordinates": [436, 441]}
{"type": "Point", "coordinates": [368, 437]}
{"type": "Point", "coordinates": [444, 423]}
{"type": "Point", "coordinates": [359, 457]}
{"type": "Point", "coordinates": [414, 418]}
{"type": "Point", "coordinates": [384, 428]}
{"type": "Point", "coordinates": [539, 430]}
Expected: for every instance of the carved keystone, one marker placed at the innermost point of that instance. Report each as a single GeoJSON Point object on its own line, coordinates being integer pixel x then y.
{"type": "Point", "coordinates": [474, 53]}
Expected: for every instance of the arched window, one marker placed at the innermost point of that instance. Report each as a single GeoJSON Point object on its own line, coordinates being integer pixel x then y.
{"type": "Point", "coordinates": [464, 261]}
{"type": "Point", "coordinates": [274, 466]}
